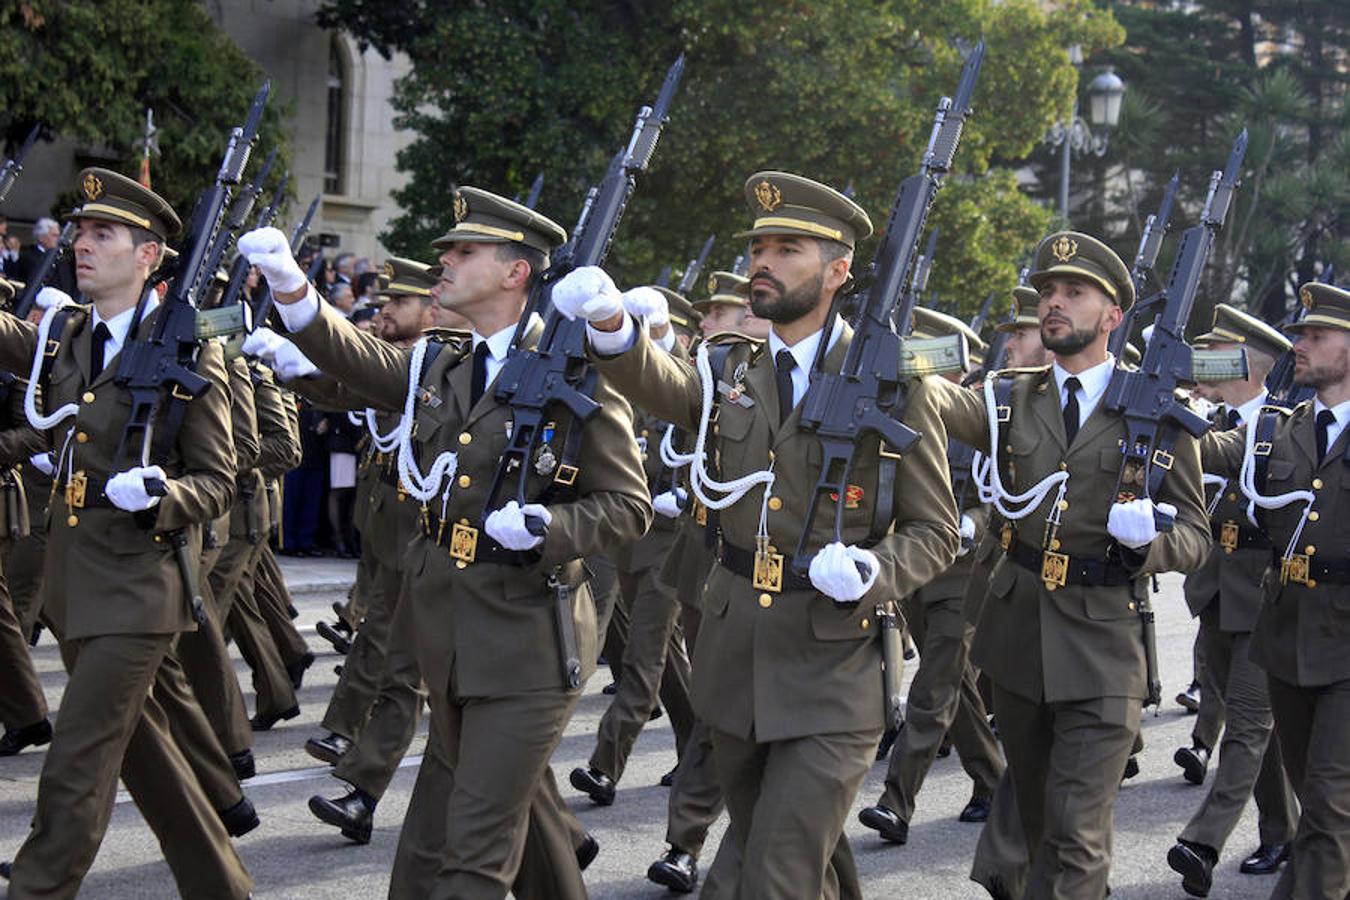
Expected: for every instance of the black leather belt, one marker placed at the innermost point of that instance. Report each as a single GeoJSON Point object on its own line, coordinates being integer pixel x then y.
{"type": "Point", "coordinates": [1237, 536]}
{"type": "Point", "coordinates": [468, 544]}
{"type": "Point", "coordinates": [776, 575]}
{"type": "Point", "coordinates": [1311, 571]}
{"type": "Point", "coordinates": [83, 492]}
{"type": "Point", "coordinates": [1062, 569]}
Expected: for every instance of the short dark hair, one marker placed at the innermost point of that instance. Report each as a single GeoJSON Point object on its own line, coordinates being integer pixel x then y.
{"type": "Point", "coordinates": [537, 259]}
{"type": "Point", "coordinates": [145, 236]}
{"type": "Point", "coordinates": [832, 250]}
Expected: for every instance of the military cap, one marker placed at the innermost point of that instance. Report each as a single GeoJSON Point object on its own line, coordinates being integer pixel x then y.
{"type": "Point", "coordinates": [1233, 326]}
{"type": "Point", "coordinates": [405, 276]}
{"type": "Point", "coordinates": [1025, 299]}
{"type": "Point", "coordinates": [1327, 305]}
{"type": "Point", "coordinates": [110, 197]}
{"type": "Point", "coordinates": [682, 312]}
{"type": "Point", "coordinates": [929, 323]}
{"type": "Point", "coordinates": [1075, 253]}
{"type": "Point", "coordinates": [724, 287]}
{"type": "Point", "coordinates": [483, 217]}
{"type": "Point", "coordinates": [790, 204]}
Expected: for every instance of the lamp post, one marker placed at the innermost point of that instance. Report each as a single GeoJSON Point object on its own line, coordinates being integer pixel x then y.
{"type": "Point", "coordinates": [1076, 136]}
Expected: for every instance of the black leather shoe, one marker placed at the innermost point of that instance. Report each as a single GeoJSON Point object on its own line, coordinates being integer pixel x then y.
{"type": "Point", "coordinates": [239, 819]}
{"type": "Point", "coordinates": [332, 635]}
{"type": "Point", "coordinates": [887, 742]}
{"type": "Point", "coordinates": [261, 722]}
{"type": "Point", "coordinates": [1265, 860]}
{"type": "Point", "coordinates": [36, 635]}
{"type": "Point", "coordinates": [35, 735]}
{"type": "Point", "coordinates": [1195, 864]}
{"type": "Point", "coordinates": [1131, 768]}
{"type": "Point", "coordinates": [587, 851]}
{"type": "Point", "coordinates": [244, 764]}
{"type": "Point", "coordinates": [4, 870]}
{"type": "Point", "coordinates": [296, 670]}
{"type": "Point", "coordinates": [328, 748]}
{"type": "Point", "coordinates": [884, 821]}
{"type": "Point", "coordinates": [341, 625]}
{"type": "Point", "coordinates": [1189, 699]}
{"type": "Point", "coordinates": [610, 689]}
{"type": "Point", "coordinates": [597, 785]}
{"type": "Point", "coordinates": [668, 779]}
{"type": "Point", "coordinates": [977, 810]}
{"type": "Point", "coordinates": [655, 714]}
{"type": "Point", "coordinates": [351, 813]}
{"type": "Point", "coordinates": [1194, 762]}
{"type": "Point", "coordinates": [675, 870]}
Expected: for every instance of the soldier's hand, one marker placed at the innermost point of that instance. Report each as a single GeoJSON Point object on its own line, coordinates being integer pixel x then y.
{"type": "Point", "coordinates": [670, 503]}
{"type": "Point", "coordinates": [263, 343]}
{"type": "Point", "coordinates": [1132, 523]}
{"type": "Point", "coordinates": [289, 363]}
{"type": "Point", "coordinates": [647, 304]}
{"type": "Point", "coordinates": [43, 462]}
{"type": "Point", "coordinates": [587, 292]}
{"type": "Point", "coordinates": [509, 527]}
{"type": "Point", "coordinates": [844, 573]}
{"type": "Point", "coordinates": [127, 490]}
{"type": "Point", "coordinates": [269, 250]}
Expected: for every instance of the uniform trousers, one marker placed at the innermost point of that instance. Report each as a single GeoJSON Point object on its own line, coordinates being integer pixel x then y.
{"type": "Point", "coordinates": [22, 702]}
{"type": "Point", "coordinates": [236, 607]}
{"type": "Point", "coordinates": [364, 666]}
{"type": "Point", "coordinates": [206, 663]}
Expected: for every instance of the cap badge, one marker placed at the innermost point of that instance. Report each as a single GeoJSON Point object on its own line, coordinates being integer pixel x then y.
{"type": "Point", "coordinates": [1064, 249]}
{"type": "Point", "coordinates": [712, 284]}
{"type": "Point", "coordinates": [92, 186]}
{"type": "Point", "coordinates": [461, 208]}
{"type": "Point", "coordinates": [1306, 296]}
{"type": "Point", "coordinates": [388, 269]}
{"type": "Point", "coordinates": [768, 196]}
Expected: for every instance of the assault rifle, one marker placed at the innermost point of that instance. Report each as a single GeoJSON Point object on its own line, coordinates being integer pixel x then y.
{"type": "Point", "coordinates": [9, 173]}
{"type": "Point", "coordinates": [1145, 258]}
{"type": "Point", "coordinates": [230, 316]}
{"type": "Point", "coordinates": [918, 285]}
{"type": "Point", "coordinates": [262, 307]}
{"type": "Point", "coordinates": [865, 395]}
{"type": "Point", "coordinates": [977, 321]}
{"type": "Point", "coordinates": [695, 266]}
{"type": "Point", "coordinates": [23, 304]}
{"type": "Point", "coordinates": [556, 372]}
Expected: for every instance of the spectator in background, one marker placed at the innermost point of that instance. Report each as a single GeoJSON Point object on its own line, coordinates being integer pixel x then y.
{"type": "Point", "coordinates": [367, 283]}
{"type": "Point", "coordinates": [303, 496]}
{"type": "Point", "coordinates": [364, 319]}
{"type": "Point", "coordinates": [9, 257]}
{"type": "Point", "coordinates": [345, 264]}
{"type": "Point", "coordinates": [340, 437]}
{"type": "Point", "coordinates": [342, 298]}
{"type": "Point", "coordinates": [362, 266]}
{"type": "Point", "coordinates": [47, 234]}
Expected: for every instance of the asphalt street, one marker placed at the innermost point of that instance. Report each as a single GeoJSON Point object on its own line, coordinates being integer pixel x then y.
{"type": "Point", "coordinates": [293, 855]}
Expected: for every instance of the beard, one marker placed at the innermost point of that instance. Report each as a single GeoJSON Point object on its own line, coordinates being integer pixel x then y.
{"type": "Point", "coordinates": [1319, 377]}
{"type": "Point", "coordinates": [790, 305]}
{"type": "Point", "coordinates": [1074, 342]}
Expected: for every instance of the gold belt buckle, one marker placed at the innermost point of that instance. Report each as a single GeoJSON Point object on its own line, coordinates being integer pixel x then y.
{"type": "Point", "coordinates": [1054, 569]}
{"type": "Point", "coordinates": [768, 574]}
{"type": "Point", "coordinates": [1294, 569]}
{"type": "Point", "coordinates": [700, 512]}
{"type": "Point", "coordinates": [1228, 536]}
{"type": "Point", "coordinates": [463, 542]}
{"type": "Point", "coordinates": [76, 489]}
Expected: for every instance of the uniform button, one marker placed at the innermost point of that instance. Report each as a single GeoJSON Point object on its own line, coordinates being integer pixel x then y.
{"type": "Point", "coordinates": [465, 481]}
{"type": "Point", "coordinates": [1232, 498]}
{"type": "Point", "coordinates": [1054, 544]}
{"type": "Point", "coordinates": [645, 433]}
{"type": "Point", "coordinates": [1310, 550]}
{"type": "Point", "coordinates": [73, 521]}
{"type": "Point", "coordinates": [1063, 505]}
{"type": "Point", "coordinates": [1063, 466]}
{"type": "Point", "coordinates": [1314, 516]}
{"type": "Point", "coordinates": [81, 437]}
{"type": "Point", "coordinates": [865, 624]}
{"type": "Point", "coordinates": [775, 503]}
{"type": "Point", "coordinates": [1317, 483]}
{"type": "Point", "coordinates": [770, 456]}
{"type": "Point", "coordinates": [159, 539]}
{"type": "Point", "coordinates": [1130, 606]}
{"type": "Point", "coordinates": [461, 564]}
{"type": "Point", "coordinates": [765, 601]}
{"type": "Point", "coordinates": [465, 438]}
{"type": "Point", "coordinates": [1008, 448]}
{"type": "Point", "coordinates": [88, 397]}
{"type": "Point", "coordinates": [1312, 582]}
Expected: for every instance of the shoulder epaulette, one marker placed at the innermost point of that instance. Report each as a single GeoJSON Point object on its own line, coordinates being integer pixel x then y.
{"type": "Point", "coordinates": [731, 337]}
{"type": "Point", "coordinates": [1025, 370]}
{"type": "Point", "coordinates": [448, 335]}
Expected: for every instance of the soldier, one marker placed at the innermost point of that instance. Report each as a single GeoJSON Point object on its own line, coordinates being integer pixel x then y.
{"type": "Point", "coordinates": [1303, 628]}
{"type": "Point", "coordinates": [1226, 595]}
{"type": "Point", "coordinates": [1059, 635]}
{"type": "Point", "coordinates": [727, 308]}
{"type": "Point", "coordinates": [484, 590]}
{"type": "Point", "coordinates": [787, 672]}
{"type": "Point", "coordinates": [112, 583]}
{"type": "Point", "coordinates": [943, 694]}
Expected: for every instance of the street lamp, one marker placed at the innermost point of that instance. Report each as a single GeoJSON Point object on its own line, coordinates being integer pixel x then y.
{"type": "Point", "coordinates": [1075, 136]}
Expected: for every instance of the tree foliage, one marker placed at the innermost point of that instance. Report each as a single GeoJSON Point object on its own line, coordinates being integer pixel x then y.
{"type": "Point", "coordinates": [835, 90]}
{"type": "Point", "coordinates": [88, 69]}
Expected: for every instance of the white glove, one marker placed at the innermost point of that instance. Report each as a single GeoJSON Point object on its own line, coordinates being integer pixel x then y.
{"type": "Point", "coordinates": [50, 296]}
{"type": "Point", "coordinates": [587, 292]}
{"type": "Point", "coordinates": [671, 503]}
{"type": "Point", "coordinates": [834, 572]}
{"type": "Point", "coordinates": [647, 304]}
{"type": "Point", "coordinates": [43, 462]}
{"type": "Point", "coordinates": [289, 363]}
{"type": "Point", "coordinates": [1132, 523]}
{"type": "Point", "coordinates": [127, 490]}
{"type": "Point", "coordinates": [263, 343]}
{"type": "Point", "coordinates": [268, 249]}
{"type": "Point", "coordinates": [967, 534]}
{"type": "Point", "coordinates": [506, 526]}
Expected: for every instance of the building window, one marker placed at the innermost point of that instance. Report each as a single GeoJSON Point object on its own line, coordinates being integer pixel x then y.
{"type": "Point", "coordinates": [334, 155]}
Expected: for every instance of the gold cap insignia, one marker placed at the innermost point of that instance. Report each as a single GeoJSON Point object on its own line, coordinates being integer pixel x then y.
{"type": "Point", "coordinates": [1306, 296]}
{"type": "Point", "coordinates": [712, 284]}
{"type": "Point", "coordinates": [768, 195]}
{"type": "Point", "coordinates": [388, 269]}
{"type": "Point", "coordinates": [1064, 249]}
{"type": "Point", "coordinates": [92, 186]}
{"type": "Point", "coordinates": [461, 208]}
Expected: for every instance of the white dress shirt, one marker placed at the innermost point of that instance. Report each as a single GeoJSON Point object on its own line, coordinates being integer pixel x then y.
{"type": "Point", "coordinates": [1247, 411]}
{"type": "Point", "coordinates": [498, 345]}
{"type": "Point", "coordinates": [1342, 413]}
{"type": "Point", "coordinates": [804, 354]}
{"type": "Point", "coordinates": [1092, 384]}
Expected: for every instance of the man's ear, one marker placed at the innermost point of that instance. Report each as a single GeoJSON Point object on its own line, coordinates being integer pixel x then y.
{"type": "Point", "coordinates": [149, 253]}
{"type": "Point", "coordinates": [836, 273]}
{"type": "Point", "coordinates": [517, 275]}
{"type": "Point", "coordinates": [1114, 316]}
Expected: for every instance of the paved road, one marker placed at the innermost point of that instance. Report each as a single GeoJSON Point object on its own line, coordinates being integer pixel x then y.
{"type": "Point", "coordinates": [292, 855]}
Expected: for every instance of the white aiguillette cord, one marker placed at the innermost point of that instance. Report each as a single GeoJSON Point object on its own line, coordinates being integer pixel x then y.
{"type": "Point", "coordinates": [1247, 482]}
{"type": "Point", "coordinates": [36, 418]}
{"type": "Point", "coordinates": [421, 487]}
{"type": "Point", "coordinates": [989, 484]}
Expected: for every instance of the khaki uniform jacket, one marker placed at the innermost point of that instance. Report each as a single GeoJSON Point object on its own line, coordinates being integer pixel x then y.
{"type": "Point", "coordinates": [1303, 634]}
{"type": "Point", "coordinates": [18, 443]}
{"type": "Point", "coordinates": [651, 549]}
{"type": "Point", "coordinates": [486, 629]}
{"type": "Point", "coordinates": [248, 505]}
{"type": "Point", "coordinates": [106, 574]}
{"type": "Point", "coordinates": [782, 666]}
{"type": "Point", "coordinates": [1232, 579]}
{"type": "Point", "coordinates": [1076, 642]}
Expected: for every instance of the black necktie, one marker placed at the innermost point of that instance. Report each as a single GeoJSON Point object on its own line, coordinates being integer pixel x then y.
{"type": "Point", "coordinates": [1324, 420]}
{"type": "Point", "coordinates": [784, 363]}
{"type": "Point", "coordinates": [1071, 385]}
{"type": "Point", "coordinates": [100, 338]}
{"type": "Point", "coordinates": [1234, 419]}
{"type": "Point", "coordinates": [479, 382]}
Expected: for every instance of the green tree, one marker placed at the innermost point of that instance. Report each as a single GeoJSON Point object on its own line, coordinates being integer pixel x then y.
{"type": "Point", "coordinates": [88, 69]}
{"type": "Point", "coordinates": [839, 91]}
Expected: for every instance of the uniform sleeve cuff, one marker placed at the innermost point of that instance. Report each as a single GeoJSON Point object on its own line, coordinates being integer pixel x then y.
{"type": "Point", "coordinates": [298, 316]}
{"type": "Point", "coordinates": [612, 343]}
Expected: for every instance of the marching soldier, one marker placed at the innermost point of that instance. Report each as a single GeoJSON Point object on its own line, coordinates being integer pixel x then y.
{"type": "Point", "coordinates": [112, 583]}
{"type": "Point", "coordinates": [484, 590]}
{"type": "Point", "coordinates": [1059, 635]}
{"type": "Point", "coordinates": [1303, 628]}
{"type": "Point", "coordinates": [787, 671]}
